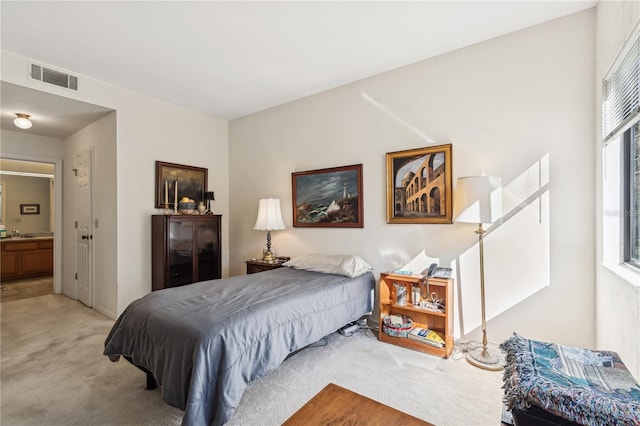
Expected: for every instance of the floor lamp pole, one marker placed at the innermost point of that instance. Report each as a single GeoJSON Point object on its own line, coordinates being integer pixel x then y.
{"type": "Point", "coordinates": [482, 357]}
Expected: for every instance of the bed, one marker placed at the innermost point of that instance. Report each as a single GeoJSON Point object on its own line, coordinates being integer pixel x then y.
{"type": "Point", "coordinates": [205, 342]}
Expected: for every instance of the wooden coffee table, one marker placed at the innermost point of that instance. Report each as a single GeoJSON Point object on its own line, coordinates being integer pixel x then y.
{"type": "Point", "coordinates": [334, 405]}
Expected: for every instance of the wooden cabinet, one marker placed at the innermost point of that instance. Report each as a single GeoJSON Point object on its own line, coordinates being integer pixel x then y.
{"type": "Point", "coordinates": [415, 294]}
{"type": "Point", "coordinates": [255, 266]}
{"type": "Point", "coordinates": [26, 258]}
{"type": "Point", "coordinates": [184, 249]}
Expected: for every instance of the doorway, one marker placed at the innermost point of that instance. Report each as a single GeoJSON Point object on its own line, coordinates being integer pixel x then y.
{"type": "Point", "coordinates": [63, 127]}
{"type": "Point", "coordinates": [31, 211]}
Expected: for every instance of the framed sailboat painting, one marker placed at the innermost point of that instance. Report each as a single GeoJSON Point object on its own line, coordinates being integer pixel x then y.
{"type": "Point", "coordinates": [328, 197]}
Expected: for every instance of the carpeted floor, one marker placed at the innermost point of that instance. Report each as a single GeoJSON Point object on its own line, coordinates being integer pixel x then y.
{"type": "Point", "coordinates": [21, 289]}
{"type": "Point", "coordinates": [53, 373]}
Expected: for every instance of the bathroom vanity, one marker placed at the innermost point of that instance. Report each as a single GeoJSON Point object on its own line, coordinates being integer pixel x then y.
{"type": "Point", "coordinates": [26, 258]}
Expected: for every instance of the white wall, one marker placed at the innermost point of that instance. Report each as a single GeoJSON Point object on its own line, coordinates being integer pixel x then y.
{"type": "Point", "coordinates": [99, 137]}
{"type": "Point", "coordinates": [169, 133]}
{"type": "Point", "coordinates": [519, 107]}
{"type": "Point", "coordinates": [617, 289]}
{"type": "Point", "coordinates": [147, 130]}
{"type": "Point", "coordinates": [21, 143]}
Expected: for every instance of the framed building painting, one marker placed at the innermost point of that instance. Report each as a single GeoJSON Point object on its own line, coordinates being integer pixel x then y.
{"type": "Point", "coordinates": [419, 185]}
{"type": "Point", "coordinates": [328, 197]}
{"type": "Point", "coordinates": [174, 181]}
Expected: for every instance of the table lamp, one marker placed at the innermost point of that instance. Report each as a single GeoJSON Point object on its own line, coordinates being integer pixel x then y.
{"type": "Point", "coordinates": [269, 219]}
{"type": "Point", "coordinates": [209, 196]}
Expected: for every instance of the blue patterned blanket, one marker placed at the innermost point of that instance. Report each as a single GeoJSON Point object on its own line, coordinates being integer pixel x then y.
{"type": "Point", "coordinates": [580, 385]}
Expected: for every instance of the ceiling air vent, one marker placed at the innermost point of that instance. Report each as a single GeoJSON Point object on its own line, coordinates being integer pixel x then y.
{"type": "Point", "coordinates": [54, 77]}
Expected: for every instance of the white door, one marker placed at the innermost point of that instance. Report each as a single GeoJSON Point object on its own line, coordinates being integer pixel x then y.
{"type": "Point", "coordinates": [84, 229]}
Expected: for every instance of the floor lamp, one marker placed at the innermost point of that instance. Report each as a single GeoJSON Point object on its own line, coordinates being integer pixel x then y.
{"type": "Point", "coordinates": [269, 219]}
{"type": "Point", "coordinates": [478, 199]}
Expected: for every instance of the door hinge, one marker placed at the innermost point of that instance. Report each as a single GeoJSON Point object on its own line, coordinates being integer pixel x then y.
{"type": "Point", "coordinates": [76, 276]}
{"type": "Point", "coordinates": [76, 224]}
{"type": "Point", "coordinates": [75, 172]}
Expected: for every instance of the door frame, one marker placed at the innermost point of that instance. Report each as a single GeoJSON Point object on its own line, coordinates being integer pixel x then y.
{"type": "Point", "coordinates": [58, 231]}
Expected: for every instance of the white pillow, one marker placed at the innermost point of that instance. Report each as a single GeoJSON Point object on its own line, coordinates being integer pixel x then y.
{"type": "Point", "coordinates": [347, 265]}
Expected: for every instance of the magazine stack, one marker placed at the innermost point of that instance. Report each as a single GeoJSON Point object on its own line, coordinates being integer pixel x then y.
{"type": "Point", "coordinates": [427, 336]}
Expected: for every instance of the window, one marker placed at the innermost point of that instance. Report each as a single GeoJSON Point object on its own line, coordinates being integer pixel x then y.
{"type": "Point", "coordinates": [621, 138]}
{"type": "Point", "coordinates": [631, 194]}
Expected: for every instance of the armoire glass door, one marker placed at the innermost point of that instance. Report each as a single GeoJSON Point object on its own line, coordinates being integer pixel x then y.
{"type": "Point", "coordinates": [180, 252]}
{"type": "Point", "coordinates": [208, 266]}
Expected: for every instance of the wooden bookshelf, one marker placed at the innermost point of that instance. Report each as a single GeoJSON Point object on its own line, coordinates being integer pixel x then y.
{"type": "Point", "coordinates": [439, 321]}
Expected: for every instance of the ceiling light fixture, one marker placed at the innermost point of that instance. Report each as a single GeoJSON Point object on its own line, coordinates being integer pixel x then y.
{"type": "Point", "coordinates": [22, 121]}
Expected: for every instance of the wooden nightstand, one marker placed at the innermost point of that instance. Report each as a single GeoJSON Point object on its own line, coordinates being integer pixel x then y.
{"type": "Point", "coordinates": [254, 266]}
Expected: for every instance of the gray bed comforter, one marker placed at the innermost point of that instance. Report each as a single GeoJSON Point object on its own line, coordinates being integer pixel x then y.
{"type": "Point", "coordinates": [205, 342]}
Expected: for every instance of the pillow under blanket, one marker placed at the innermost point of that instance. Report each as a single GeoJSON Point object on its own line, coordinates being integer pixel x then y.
{"type": "Point", "coordinates": [580, 385]}
{"type": "Point", "coordinates": [347, 265]}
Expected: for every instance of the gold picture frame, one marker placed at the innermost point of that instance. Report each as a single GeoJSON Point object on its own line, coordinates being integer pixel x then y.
{"type": "Point", "coordinates": [191, 182]}
{"type": "Point", "coordinates": [419, 185]}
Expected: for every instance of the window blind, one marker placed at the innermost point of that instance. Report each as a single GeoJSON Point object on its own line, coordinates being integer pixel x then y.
{"type": "Point", "coordinates": [621, 91]}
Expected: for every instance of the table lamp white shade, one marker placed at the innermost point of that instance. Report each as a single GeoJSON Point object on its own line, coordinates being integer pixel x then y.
{"type": "Point", "coordinates": [269, 215]}
{"type": "Point", "coordinates": [478, 199]}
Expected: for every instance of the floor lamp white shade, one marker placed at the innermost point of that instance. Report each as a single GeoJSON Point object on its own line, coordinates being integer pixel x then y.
{"type": "Point", "coordinates": [269, 219]}
{"type": "Point", "coordinates": [478, 199]}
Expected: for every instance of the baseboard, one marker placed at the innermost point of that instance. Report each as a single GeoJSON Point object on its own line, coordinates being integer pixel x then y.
{"type": "Point", "coordinates": [69, 295]}
{"type": "Point", "coordinates": [106, 312]}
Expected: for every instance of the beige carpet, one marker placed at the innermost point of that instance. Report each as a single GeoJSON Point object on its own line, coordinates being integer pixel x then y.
{"type": "Point", "coordinates": [53, 373]}
{"type": "Point", "coordinates": [22, 289]}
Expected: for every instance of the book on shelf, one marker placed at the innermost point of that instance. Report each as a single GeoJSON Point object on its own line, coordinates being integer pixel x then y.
{"type": "Point", "coordinates": [436, 273]}
{"type": "Point", "coordinates": [427, 336]}
{"type": "Point", "coordinates": [402, 273]}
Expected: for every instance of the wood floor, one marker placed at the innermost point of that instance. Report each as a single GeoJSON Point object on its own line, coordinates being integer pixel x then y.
{"type": "Point", "coordinates": [21, 289]}
{"type": "Point", "coordinates": [335, 405]}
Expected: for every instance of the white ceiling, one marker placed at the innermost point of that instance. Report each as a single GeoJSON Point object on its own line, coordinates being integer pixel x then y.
{"type": "Point", "coordinates": [52, 115]}
{"type": "Point", "coordinates": [231, 59]}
